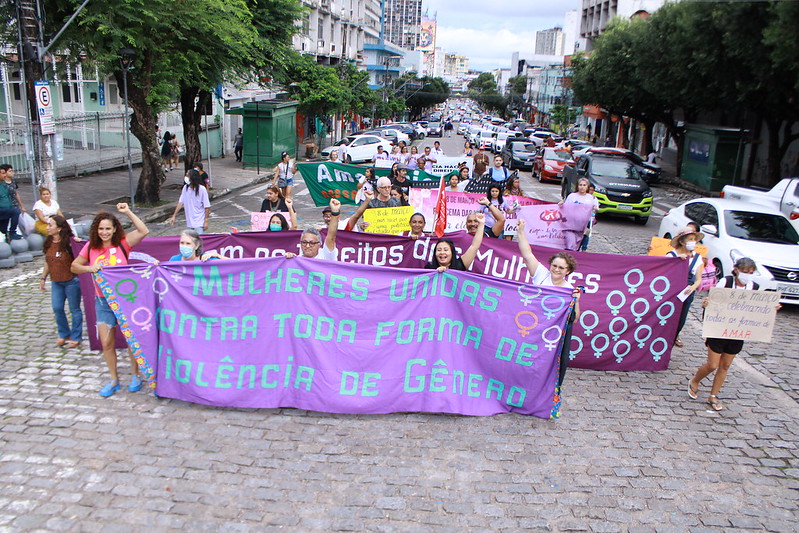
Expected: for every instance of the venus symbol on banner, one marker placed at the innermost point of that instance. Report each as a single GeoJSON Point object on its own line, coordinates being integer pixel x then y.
{"type": "Point", "coordinates": [551, 342]}
{"type": "Point", "coordinates": [632, 287]}
{"type": "Point", "coordinates": [620, 356]}
{"type": "Point", "coordinates": [130, 295]}
{"type": "Point", "coordinates": [145, 271]}
{"type": "Point", "coordinates": [659, 294]}
{"type": "Point", "coordinates": [614, 309]}
{"type": "Point", "coordinates": [664, 317]}
{"type": "Point", "coordinates": [145, 323]}
{"type": "Point", "coordinates": [177, 276]}
{"type": "Point", "coordinates": [655, 353]}
{"type": "Point", "coordinates": [642, 340]}
{"type": "Point", "coordinates": [639, 314]}
{"type": "Point", "coordinates": [597, 349]}
{"type": "Point", "coordinates": [550, 312]}
{"type": "Point", "coordinates": [527, 299]}
{"type": "Point", "coordinates": [618, 332]}
{"type": "Point", "coordinates": [574, 351]}
{"type": "Point", "coordinates": [524, 330]}
{"type": "Point", "coordinates": [589, 327]}
{"type": "Point", "coordinates": [160, 293]}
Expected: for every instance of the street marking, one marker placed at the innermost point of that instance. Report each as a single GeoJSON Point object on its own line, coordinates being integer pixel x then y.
{"type": "Point", "coordinates": [19, 279]}
{"type": "Point", "coordinates": [243, 209]}
{"type": "Point", "coordinates": [658, 211]}
{"type": "Point", "coordinates": [255, 190]}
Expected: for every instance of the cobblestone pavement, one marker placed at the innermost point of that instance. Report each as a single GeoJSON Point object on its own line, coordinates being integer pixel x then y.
{"type": "Point", "coordinates": [631, 453]}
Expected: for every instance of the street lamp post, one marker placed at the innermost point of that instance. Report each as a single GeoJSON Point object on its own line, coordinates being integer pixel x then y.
{"type": "Point", "coordinates": [126, 62]}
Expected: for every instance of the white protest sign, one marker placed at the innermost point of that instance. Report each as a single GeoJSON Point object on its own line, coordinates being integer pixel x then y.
{"type": "Point", "coordinates": [740, 314]}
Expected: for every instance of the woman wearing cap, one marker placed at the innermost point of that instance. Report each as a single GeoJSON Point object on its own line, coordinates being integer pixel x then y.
{"type": "Point", "coordinates": [284, 174]}
{"type": "Point", "coordinates": [684, 245]}
{"type": "Point", "coordinates": [721, 352]}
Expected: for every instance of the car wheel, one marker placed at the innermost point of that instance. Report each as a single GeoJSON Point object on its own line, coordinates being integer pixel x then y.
{"type": "Point", "coordinates": [719, 270]}
{"type": "Point", "coordinates": [641, 221]}
{"type": "Point", "coordinates": [349, 159]}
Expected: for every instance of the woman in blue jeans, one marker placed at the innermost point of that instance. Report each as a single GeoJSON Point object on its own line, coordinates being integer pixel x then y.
{"type": "Point", "coordinates": [65, 286]}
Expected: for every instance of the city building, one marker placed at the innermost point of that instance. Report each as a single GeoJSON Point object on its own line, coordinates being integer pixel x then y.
{"type": "Point", "coordinates": [596, 14]}
{"type": "Point", "coordinates": [549, 42]}
{"type": "Point", "coordinates": [403, 22]}
{"type": "Point", "coordinates": [333, 30]}
{"type": "Point", "coordinates": [455, 65]}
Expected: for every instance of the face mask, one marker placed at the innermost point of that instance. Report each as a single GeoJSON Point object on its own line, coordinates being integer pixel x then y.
{"type": "Point", "coordinates": [186, 251]}
{"type": "Point", "coordinates": [186, 180]}
{"type": "Point", "coordinates": [690, 245]}
{"type": "Point", "coordinates": [744, 278]}
{"type": "Point", "coordinates": [275, 227]}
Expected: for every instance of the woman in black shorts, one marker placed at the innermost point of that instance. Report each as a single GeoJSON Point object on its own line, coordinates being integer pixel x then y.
{"type": "Point", "coordinates": [721, 352]}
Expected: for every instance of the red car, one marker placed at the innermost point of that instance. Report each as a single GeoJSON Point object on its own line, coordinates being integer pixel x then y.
{"type": "Point", "coordinates": [549, 163]}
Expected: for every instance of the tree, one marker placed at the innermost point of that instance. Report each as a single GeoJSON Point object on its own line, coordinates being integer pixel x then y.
{"type": "Point", "coordinates": [229, 39]}
{"type": "Point", "coordinates": [517, 85]}
{"type": "Point", "coordinates": [421, 93]}
{"type": "Point", "coordinates": [562, 116]}
{"type": "Point", "coordinates": [483, 84]}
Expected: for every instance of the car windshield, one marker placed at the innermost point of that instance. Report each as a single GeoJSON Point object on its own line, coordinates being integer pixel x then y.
{"type": "Point", "coordinates": [614, 169]}
{"type": "Point", "coordinates": [434, 124]}
{"type": "Point", "coordinates": [524, 147]}
{"type": "Point", "coordinates": [557, 155]}
{"type": "Point", "coordinates": [760, 227]}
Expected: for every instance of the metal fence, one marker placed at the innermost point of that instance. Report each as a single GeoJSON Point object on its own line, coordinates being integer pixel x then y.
{"type": "Point", "coordinates": [85, 143]}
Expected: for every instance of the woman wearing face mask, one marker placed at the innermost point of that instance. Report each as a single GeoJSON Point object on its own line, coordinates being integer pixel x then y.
{"type": "Point", "coordinates": [194, 198]}
{"type": "Point", "coordinates": [684, 245]}
{"type": "Point", "coordinates": [191, 248]}
{"type": "Point", "coordinates": [277, 222]}
{"type": "Point", "coordinates": [721, 352]}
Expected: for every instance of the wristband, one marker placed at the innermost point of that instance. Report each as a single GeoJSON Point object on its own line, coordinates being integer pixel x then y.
{"type": "Point", "coordinates": [335, 213]}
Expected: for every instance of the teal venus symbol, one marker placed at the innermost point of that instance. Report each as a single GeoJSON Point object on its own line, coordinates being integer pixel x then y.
{"type": "Point", "coordinates": [589, 327]}
{"type": "Point", "coordinates": [636, 310]}
{"type": "Point", "coordinates": [632, 287]}
{"type": "Point", "coordinates": [659, 293]}
{"type": "Point", "coordinates": [614, 309]}
{"type": "Point", "coordinates": [662, 315]}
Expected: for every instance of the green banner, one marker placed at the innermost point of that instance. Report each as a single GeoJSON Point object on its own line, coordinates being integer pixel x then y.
{"type": "Point", "coordinates": [337, 180]}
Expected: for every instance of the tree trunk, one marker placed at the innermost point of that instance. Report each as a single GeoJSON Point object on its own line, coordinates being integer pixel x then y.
{"type": "Point", "coordinates": [648, 144]}
{"type": "Point", "coordinates": [191, 115]}
{"type": "Point", "coordinates": [143, 121]}
{"type": "Point", "coordinates": [773, 152]}
{"type": "Point", "coordinates": [753, 149]}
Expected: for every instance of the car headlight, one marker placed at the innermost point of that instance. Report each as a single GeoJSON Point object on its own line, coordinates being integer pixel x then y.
{"type": "Point", "coordinates": [647, 194]}
{"type": "Point", "coordinates": [549, 168]}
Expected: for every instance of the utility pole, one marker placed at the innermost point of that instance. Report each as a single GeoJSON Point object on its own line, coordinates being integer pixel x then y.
{"type": "Point", "coordinates": [30, 47]}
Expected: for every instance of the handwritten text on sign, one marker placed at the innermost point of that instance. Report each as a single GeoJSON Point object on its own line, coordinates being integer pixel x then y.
{"type": "Point", "coordinates": [744, 315]}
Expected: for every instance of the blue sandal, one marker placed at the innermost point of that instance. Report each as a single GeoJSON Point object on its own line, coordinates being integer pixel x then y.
{"type": "Point", "coordinates": [109, 389]}
{"type": "Point", "coordinates": [135, 384]}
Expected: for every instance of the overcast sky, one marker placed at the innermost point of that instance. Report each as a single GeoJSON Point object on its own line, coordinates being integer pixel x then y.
{"type": "Point", "coordinates": [489, 31]}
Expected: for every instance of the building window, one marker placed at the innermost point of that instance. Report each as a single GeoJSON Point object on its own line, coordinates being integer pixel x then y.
{"type": "Point", "coordinates": [113, 93]}
{"type": "Point", "coordinates": [320, 30]}
{"type": "Point", "coordinates": [306, 24]}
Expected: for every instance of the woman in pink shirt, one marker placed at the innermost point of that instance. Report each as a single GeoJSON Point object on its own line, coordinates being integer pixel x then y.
{"type": "Point", "coordinates": [109, 245]}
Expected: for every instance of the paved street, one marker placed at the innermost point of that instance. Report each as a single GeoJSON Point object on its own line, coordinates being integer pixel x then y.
{"type": "Point", "coordinates": [632, 452]}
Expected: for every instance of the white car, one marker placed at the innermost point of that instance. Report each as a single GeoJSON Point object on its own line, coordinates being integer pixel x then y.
{"type": "Point", "coordinates": [485, 139]}
{"type": "Point", "coordinates": [501, 139]}
{"type": "Point", "coordinates": [360, 148]}
{"type": "Point", "coordinates": [735, 229]}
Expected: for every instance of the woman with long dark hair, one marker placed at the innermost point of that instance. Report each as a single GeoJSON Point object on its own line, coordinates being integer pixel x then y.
{"type": "Point", "coordinates": [194, 197]}
{"type": "Point", "coordinates": [166, 151]}
{"type": "Point", "coordinates": [109, 245]}
{"type": "Point", "coordinates": [64, 285]}
{"type": "Point", "coordinates": [446, 257]}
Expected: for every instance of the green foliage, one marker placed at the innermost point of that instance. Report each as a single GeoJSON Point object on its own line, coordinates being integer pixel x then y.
{"type": "Point", "coordinates": [483, 84]}
{"type": "Point", "coordinates": [562, 116]}
{"type": "Point", "coordinates": [421, 93]}
{"type": "Point", "coordinates": [318, 88]}
{"type": "Point", "coordinates": [517, 84]}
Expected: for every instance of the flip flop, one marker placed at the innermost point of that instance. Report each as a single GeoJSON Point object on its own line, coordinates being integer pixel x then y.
{"type": "Point", "coordinates": [714, 403]}
{"type": "Point", "coordinates": [60, 342]}
{"type": "Point", "coordinates": [73, 344]}
{"type": "Point", "coordinates": [692, 392]}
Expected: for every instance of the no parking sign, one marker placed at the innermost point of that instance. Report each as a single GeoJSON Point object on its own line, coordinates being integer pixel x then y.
{"type": "Point", "coordinates": [44, 104]}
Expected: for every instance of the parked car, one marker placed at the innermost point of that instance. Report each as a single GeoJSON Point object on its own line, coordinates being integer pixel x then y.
{"type": "Point", "coordinates": [735, 229]}
{"type": "Point", "coordinates": [360, 148]}
{"type": "Point", "coordinates": [405, 127]}
{"type": "Point", "coordinates": [650, 172]}
{"type": "Point", "coordinates": [463, 127]}
{"type": "Point", "coordinates": [618, 184]}
{"type": "Point", "coordinates": [485, 139]}
{"type": "Point", "coordinates": [539, 137]}
{"type": "Point", "coordinates": [434, 129]}
{"type": "Point", "coordinates": [518, 154]}
{"type": "Point", "coordinates": [501, 139]}
{"type": "Point", "coordinates": [393, 134]}
{"type": "Point", "coordinates": [548, 165]}
{"type": "Point", "coordinates": [783, 197]}
{"type": "Point", "coordinates": [421, 131]}
{"type": "Point", "coordinates": [472, 133]}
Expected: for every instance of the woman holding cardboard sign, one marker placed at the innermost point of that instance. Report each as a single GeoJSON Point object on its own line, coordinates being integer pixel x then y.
{"type": "Point", "coordinates": [721, 352]}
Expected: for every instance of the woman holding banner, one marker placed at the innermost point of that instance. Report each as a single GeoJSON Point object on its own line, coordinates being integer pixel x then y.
{"type": "Point", "coordinates": [417, 223]}
{"type": "Point", "coordinates": [191, 248]}
{"type": "Point", "coordinates": [413, 158]}
{"type": "Point", "coordinates": [684, 245]}
{"type": "Point", "coordinates": [109, 245]}
{"type": "Point", "coordinates": [721, 352]}
{"type": "Point", "coordinates": [446, 256]}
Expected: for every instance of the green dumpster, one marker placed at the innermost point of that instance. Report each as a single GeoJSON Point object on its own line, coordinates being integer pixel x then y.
{"type": "Point", "coordinates": [269, 128]}
{"type": "Point", "coordinates": [713, 156]}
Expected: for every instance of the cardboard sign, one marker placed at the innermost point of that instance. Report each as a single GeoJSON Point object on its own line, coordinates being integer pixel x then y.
{"type": "Point", "coordinates": [388, 220]}
{"type": "Point", "coordinates": [740, 314]}
{"type": "Point", "coordinates": [260, 221]}
{"type": "Point", "coordinates": [661, 247]}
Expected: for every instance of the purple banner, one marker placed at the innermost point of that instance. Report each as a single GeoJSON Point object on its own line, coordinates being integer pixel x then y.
{"type": "Point", "coordinates": [556, 226]}
{"type": "Point", "coordinates": [630, 307]}
{"type": "Point", "coordinates": [344, 338]}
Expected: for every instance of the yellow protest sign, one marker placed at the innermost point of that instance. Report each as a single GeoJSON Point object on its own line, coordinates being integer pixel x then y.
{"type": "Point", "coordinates": [660, 247]}
{"type": "Point", "coordinates": [388, 220]}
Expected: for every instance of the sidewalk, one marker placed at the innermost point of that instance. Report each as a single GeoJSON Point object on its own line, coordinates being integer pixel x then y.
{"type": "Point", "coordinates": [81, 198]}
